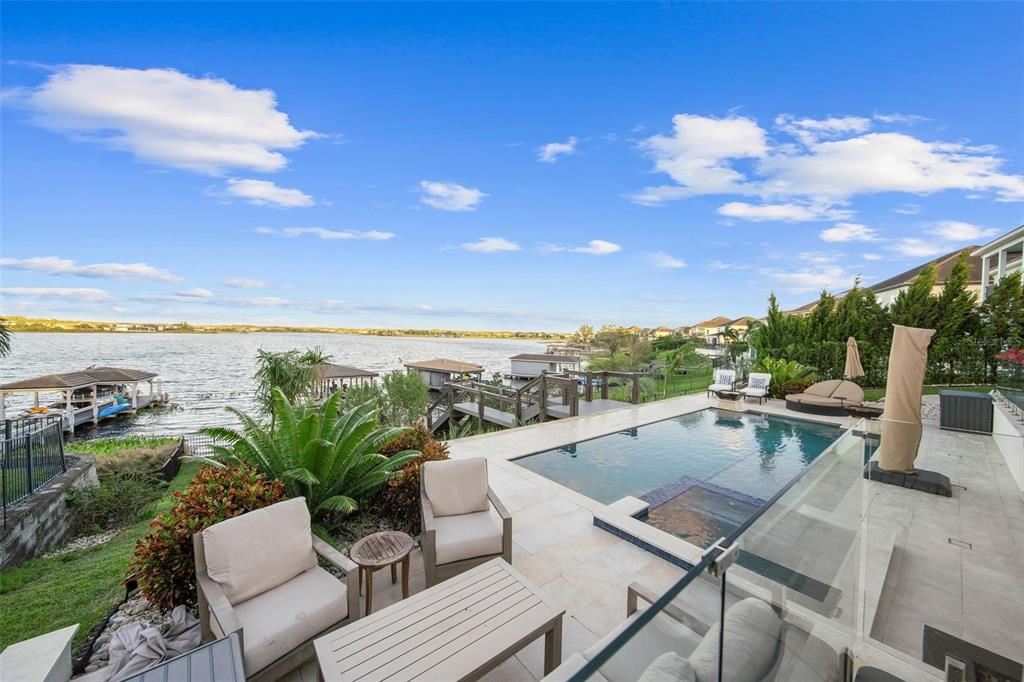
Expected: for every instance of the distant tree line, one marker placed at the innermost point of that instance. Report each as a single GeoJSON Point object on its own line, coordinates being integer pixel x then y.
{"type": "Point", "coordinates": [963, 350]}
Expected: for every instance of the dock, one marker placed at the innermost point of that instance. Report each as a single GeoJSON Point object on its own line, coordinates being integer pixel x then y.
{"type": "Point", "coordinates": [87, 396]}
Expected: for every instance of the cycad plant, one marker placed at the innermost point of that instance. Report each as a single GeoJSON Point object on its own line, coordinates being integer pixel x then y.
{"type": "Point", "coordinates": [330, 457]}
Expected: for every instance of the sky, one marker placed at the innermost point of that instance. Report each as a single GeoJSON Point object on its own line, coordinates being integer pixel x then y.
{"type": "Point", "coordinates": [478, 166]}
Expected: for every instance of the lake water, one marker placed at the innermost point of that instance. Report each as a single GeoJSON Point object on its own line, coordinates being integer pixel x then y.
{"type": "Point", "coordinates": [204, 373]}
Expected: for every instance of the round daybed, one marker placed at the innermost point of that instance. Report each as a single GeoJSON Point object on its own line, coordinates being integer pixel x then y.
{"type": "Point", "coordinates": [831, 397]}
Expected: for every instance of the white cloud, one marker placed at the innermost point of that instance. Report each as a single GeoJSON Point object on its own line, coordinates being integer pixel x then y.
{"type": "Point", "coordinates": [197, 292]}
{"type": "Point", "coordinates": [450, 196]}
{"type": "Point", "coordinates": [166, 117]}
{"type": "Point", "coordinates": [266, 193]}
{"type": "Point", "coordinates": [871, 256]}
{"type": "Point", "coordinates": [907, 209]}
{"type": "Point", "coordinates": [790, 212]}
{"type": "Point", "coordinates": [919, 248]}
{"type": "Point", "coordinates": [595, 247]}
{"type": "Point", "coordinates": [491, 245]}
{"type": "Point", "coordinates": [813, 278]}
{"type": "Point", "coordinates": [330, 235]}
{"type": "Point", "coordinates": [907, 119]}
{"type": "Point", "coordinates": [661, 259]}
{"type": "Point", "coordinates": [810, 130]}
{"type": "Point", "coordinates": [698, 154]}
{"type": "Point", "coordinates": [67, 293]}
{"type": "Point", "coordinates": [52, 265]}
{"type": "Point", "coordinates": [550, 152]}
{"type": "Point", "coordinates": [958, 231]}
{"type": "Point", "coordinates": [827, 162]}
{"type": "Point", "coordinates": [244, 283]}
{"type": "Point", "coordinates": [849, 232]}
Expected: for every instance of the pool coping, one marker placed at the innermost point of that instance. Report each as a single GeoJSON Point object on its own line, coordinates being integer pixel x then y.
{"type": "Point", "coordinates": [536, 438]}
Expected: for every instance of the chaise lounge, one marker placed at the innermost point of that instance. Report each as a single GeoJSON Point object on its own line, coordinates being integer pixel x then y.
{"type": "Point", "coordinates": [833, 397]}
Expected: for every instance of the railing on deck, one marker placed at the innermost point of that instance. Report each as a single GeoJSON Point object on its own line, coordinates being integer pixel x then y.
{"type": "Point", "coordinates": [32, 456]}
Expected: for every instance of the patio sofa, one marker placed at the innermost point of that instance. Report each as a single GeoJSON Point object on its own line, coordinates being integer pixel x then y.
{"type": "Point", "coordinates": [257, 576]}
{"type": "Point", "coordinates": [831, 397]}
{"type": "Point", "coordinates": [464, 522]}
{"type": "Point", "coordinates": [760, 646]}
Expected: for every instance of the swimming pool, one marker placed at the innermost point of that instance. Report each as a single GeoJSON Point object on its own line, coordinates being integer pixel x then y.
{"type": "Point", "coordinates": [702, 473]}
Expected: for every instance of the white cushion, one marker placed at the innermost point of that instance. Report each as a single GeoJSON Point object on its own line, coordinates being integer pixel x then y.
{"type": "Point", "coordinates": [751, 644]}
{"type": "Point", "coordinates": [725, 376]}
{"type": "Point", "coordinates": [758, 381]}
{"type": "Point", "coordinates": [260, 550]}
{"type": "Point", "coordinates": [669, 667]}
{"type": "Point", "coordinates": [456, 486]}
{"type": "Point", "coordinates": [276, 622]}
{"type": "Point", "coordinates": [758, 392]}
{"type": "Point", "coordinates": [661, 635]}
{"type": "Point", "coordinates": [720, 387]}
{"type": "Point", "coordinates": [467, 536]}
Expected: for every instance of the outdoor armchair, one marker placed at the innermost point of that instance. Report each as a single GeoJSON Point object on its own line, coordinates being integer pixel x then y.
{"type": "Point", "coordinates": [725, 379]}
{"type": "Point", "coordinates": [257, 576]}
{"type": "Point", "coordinates": [464, 522]}
{"type": "Point", "coordinates": [757, 386]}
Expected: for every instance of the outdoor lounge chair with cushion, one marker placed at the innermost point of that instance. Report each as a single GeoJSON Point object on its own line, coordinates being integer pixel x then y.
{"type": "Point", "coordinates": [831, 397]}
{"type": "Point", "coordinates": [757, 386]}
{"type": "Point", "coordinates": [257, 576]}
{"type": "Point", "coordinates": [759, 647]}
{"type": "Point", "coordinates": [464, 522]}
{"type": "Point", "coordinates": [725, 379]}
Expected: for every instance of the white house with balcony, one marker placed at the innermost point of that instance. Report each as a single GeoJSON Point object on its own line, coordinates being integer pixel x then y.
{"type": "Point", "coordinates": [1000, 257]}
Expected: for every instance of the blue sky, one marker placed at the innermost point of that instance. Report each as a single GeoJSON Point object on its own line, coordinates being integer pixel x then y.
{"type": "Point", "coordinates": [512, 166]}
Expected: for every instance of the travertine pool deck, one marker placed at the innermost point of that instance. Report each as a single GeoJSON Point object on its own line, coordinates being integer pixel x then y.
{"type": "Point", "coordinates": [887, 551]}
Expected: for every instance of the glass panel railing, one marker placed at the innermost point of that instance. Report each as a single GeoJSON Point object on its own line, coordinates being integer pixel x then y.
{"type": "Point", "coordinates": [847, 569]}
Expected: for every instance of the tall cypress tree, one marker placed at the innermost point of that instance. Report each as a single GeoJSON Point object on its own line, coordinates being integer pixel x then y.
{"type": "Point", "coordinates": [915, 305]}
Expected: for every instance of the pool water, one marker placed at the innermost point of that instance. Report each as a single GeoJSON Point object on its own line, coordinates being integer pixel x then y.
{"type": "Point", "coordinates": [702, 473]}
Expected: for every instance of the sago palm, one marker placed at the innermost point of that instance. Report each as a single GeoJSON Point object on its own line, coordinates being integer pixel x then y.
{"type": "Point", "coordinates": [332, 458]}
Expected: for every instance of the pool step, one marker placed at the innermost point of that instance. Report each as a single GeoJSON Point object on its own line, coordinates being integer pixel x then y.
{"type": "Point", "coordinates": [630, 506]}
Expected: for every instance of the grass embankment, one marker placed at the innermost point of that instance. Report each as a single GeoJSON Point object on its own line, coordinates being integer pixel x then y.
{"type": "Point", "coordinates": [872, 394]}
{"type": "Point", "coordinates": [78, 587]}
{"type": "Point", "coordinates": [110, 447]}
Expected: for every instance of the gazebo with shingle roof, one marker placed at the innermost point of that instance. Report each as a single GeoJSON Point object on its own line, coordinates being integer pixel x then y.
{"type": "Point", "coordinates": [439, 370]}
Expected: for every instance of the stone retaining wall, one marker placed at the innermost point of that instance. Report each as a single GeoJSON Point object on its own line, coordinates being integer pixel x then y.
{"type": "Point", "coordinates": [42, 521]}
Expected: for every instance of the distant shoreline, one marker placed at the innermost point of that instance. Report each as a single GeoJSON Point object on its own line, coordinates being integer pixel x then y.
{"type": "Point", "coordinates": [27, 324]}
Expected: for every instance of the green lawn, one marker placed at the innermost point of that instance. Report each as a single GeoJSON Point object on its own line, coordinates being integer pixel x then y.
{"type": "Point", "coordinates": [108, 447]}
{"type": "Point", "coordinates": [78, 587]}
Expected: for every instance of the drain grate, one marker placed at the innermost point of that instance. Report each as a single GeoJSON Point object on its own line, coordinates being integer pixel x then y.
{"type": "Point", "coordinates": [960, 543]}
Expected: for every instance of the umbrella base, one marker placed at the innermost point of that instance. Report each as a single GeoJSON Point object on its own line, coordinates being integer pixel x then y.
{"type": "Point", "coordinates": [923, 480]}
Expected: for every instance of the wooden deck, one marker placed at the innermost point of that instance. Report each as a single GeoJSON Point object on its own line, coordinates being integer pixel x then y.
{"type": "Point", "coordinates": [557, 411]}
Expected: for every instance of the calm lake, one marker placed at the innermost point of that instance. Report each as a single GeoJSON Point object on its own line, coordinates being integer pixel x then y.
{"type": "Point", "coordinates": [204, 373]}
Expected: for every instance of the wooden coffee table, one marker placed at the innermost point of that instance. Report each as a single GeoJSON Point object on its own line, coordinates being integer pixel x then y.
{"type": "Point", "coordinates": [378, 551]}
{"type": "Point", "coordinates": [456, 630]}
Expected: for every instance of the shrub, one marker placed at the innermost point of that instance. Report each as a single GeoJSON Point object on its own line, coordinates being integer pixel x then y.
{"type": "Point", "coordinates": [117, 501]}
{"type": "Point", "coordinates": [784, 372]}
{"type": "Point", "coordinates": [331, 458]}
{"type": "Point", "coordinates": [400, 497]}
{"type": "Point", "coordinates": [790, 387]}
{"type": "Point", "coordinates": [407, 399]}
{"type": "Point", "coordinates": [103, 447]}
{"type": "Point", "coordinates": [164, 562]}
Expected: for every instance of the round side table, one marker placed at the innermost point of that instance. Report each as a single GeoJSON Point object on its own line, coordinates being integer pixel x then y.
{"type": "Point", "coordinates": [377, 551]}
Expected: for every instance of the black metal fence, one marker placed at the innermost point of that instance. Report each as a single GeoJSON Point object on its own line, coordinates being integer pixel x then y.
{"type": "Point", "coordinates": [198, 444]}
{"type": "Point", "coordinates": [32, 456]}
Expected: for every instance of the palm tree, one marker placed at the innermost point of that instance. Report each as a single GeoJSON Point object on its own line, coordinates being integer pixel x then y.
{"type": "Point", "coordinates": [331, 458]}
{"type": "Point", "coordinates": [292, 372]}
{"type": "Point", "coordinates": [5, 339]}
{"type": "Point", "coordinates": [671, 362]}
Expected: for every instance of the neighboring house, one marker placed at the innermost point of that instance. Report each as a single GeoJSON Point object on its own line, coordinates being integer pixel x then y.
{"type": "Point", "coordinates": [682, 331]}
{"type": "Point", "coordinates": [635, 330]}
{"type": "Point", "coordinates": [1000, 257]}
{"type": "Point", "coordinates": [742, 326]}
{"type": "Point", "coordinates": [710, 331]}
{"type": "Point", "coordinates": [887, 290]}
{"type": "Point", "coordinates": [661, 332]}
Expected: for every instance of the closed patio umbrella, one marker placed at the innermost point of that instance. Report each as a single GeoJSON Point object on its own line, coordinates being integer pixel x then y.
{"type": "Point", "coordinates": [853, 366]}
{"type": "Point", "coordinates": [901, 419]}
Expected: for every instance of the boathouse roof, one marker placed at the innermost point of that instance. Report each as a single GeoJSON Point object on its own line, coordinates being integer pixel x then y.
{"type": "Point", "coordinates": [86, 377]}
{"type": "Point", "coordinates": [329, 370]}
{"type": "Point", "coordinates": [445, 365]}
{"type": "Point", "coordinates": [545, 357]}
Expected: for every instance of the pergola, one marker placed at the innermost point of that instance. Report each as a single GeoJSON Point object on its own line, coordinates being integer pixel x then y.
{"type": "Point", "coordinates": [67, 384]}
{"type": "Point", "coordinates": [439, 370]}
